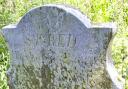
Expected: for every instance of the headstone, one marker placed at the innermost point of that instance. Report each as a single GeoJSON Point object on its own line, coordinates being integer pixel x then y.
{"type": "Point", "coordinates": [56, 47]}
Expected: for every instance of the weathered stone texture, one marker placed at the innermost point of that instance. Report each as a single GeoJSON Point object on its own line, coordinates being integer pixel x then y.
{"type": "Point", "coordinates": [56, 47]}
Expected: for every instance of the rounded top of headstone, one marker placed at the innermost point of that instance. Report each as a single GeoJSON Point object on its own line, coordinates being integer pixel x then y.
{"type": "Point", "coordinates": [54, 9]}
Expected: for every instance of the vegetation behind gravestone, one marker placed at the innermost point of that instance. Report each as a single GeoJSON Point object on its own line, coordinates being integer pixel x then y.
{"type": "Point", "coordinates": [103, 11]}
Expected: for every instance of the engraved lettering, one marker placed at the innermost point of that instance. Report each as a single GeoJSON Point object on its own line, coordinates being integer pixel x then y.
{"type": "Point", "coordinates": [61, 40]}
{"type": "Point", "coordinates": [72, 41]}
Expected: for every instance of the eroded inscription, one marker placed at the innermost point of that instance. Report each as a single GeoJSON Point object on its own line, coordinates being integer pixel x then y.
{"type": "Point", "coordinates": [62, 40]}
{"type": "Point", "coordinates": [59, 40]}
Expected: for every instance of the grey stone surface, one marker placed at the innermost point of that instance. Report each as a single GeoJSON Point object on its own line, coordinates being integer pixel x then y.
{"type": "Point", "coordinates": [56, 47]}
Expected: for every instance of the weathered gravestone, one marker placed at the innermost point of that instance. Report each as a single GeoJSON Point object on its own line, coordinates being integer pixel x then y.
{"type": "Point", "coordinates": [56, 47]}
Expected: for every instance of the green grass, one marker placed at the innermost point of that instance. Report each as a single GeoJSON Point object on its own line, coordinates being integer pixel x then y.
{"type": "Point", "coordinates": [101, 11]}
